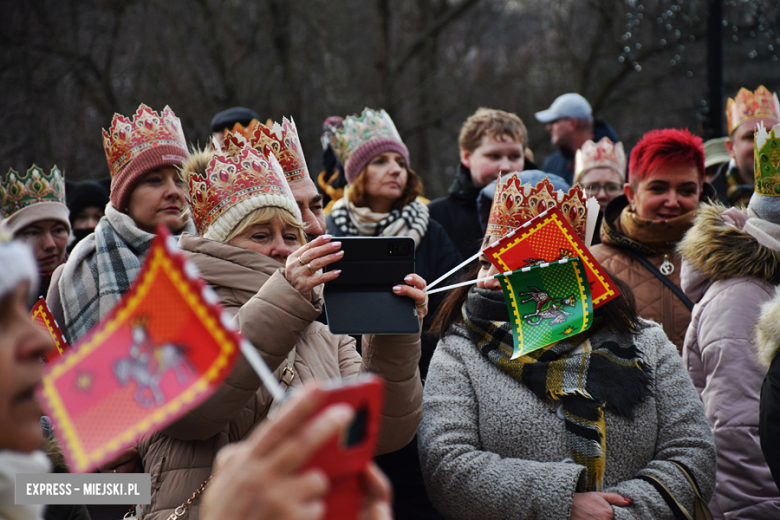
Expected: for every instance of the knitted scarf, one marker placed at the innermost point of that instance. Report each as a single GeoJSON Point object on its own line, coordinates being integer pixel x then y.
{"type": "Point", "coordinates": [588, 373]}
{"type": "Point", "coordinates": [410, 220]}
{"type": "Point", "coordinates": [101, 268]}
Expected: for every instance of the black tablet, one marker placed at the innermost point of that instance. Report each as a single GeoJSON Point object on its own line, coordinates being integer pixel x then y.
{"type": "Point", "coordinates": [361, 299]}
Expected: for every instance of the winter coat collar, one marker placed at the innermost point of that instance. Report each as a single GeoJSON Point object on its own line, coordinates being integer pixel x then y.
{"type": "Point", "coordinates": [233, 260]}
{"type": "Point", "coordinates": [718, 250]}
{"type": "Point", "coordinates": [236, 268]}
{"type": "Point", "coordinates": [462, 189]}
{"type": "Point", "coordinates": [646, 237]}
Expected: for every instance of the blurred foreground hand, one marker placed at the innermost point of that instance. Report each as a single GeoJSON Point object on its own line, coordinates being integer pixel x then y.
{"type": "Point", "coordinates": [260, 478]}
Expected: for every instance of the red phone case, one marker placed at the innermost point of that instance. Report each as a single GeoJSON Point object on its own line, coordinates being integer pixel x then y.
{"type": "Point", "coordinates": [343, 459]}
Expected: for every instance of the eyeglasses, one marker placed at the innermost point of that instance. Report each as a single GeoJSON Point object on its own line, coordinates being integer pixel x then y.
{"type": "Point", "coordinates": [610, 188]}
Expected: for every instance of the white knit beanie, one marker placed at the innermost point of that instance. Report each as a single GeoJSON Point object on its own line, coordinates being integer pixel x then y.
{"type": "Point", "coordinates": [19, 265]}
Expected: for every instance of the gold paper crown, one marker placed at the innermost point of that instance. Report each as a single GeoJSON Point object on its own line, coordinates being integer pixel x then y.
{"type": "Point", "coordinates": [127, 138]}
{"type": "Point", "coordinates": [766, 160]}
{"type": "Point", "coordinates": [604, 154]}
{"type": "Point", "coordinates": [245, 131]}
{"type": "Point", "coordinates": [515, 204]}
{"type": "Point", "coordinates": [20, 191]}
{"type": "Point", "coordinates": [237, 180]}
{"type": "Point", "coordinates": [751, 105]}
{"type": "Point", "coordinates": [282, 141]}
{"type": "Point", "coordinates": [356, 131]}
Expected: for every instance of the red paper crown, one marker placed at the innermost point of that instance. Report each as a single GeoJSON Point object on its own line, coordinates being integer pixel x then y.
{"type": "Point", "coordinates": [283, 142]}
{"type": "Point", "coordinates": [238, 179]}
{"type": "Point", "coordinates": [127, 138]}
{"type": "Point", "coordinates": [751, 105]}
{"type": "Point", "coordinates": [515, 204]}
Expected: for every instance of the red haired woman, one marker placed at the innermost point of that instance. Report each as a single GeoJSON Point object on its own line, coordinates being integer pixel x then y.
{"type": "Point", "coordinates": [642, 227]}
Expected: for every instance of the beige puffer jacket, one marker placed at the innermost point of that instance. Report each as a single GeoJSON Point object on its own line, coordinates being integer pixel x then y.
{"type": "Point", "coordinates": [275, 318]}
{"type": "Point", "coordinates": [654, 300]}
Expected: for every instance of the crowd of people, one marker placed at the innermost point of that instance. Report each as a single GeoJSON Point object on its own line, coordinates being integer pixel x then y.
{"type": "Point", "coordinates": [671, 399]}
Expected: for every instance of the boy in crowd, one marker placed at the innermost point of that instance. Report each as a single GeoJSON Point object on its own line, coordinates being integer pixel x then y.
{"type": "Point", "coordinates": [491, 142]}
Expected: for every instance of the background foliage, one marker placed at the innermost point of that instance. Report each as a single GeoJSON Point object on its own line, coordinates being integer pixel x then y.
{"type": "Point", "coordinates": [66, 66]}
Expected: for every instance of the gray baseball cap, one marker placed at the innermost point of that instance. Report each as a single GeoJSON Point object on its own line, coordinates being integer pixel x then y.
{"type": "Point", "coordinates": [567, 105]}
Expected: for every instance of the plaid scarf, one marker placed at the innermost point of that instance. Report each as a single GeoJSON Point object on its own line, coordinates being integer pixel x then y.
{"type": "Point", "coordinates": [587, 373]}
{"type": "Point", "coordinates": [410, 220]}
{"type": "Point", "coordinates": [101, 268]}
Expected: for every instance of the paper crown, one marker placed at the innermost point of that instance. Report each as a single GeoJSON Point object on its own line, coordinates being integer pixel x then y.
{"type": "Point", "coordinates": [355, 131]}
{"type": "Point", "coordinates": [127, 138]}
{"type": "Point", "coordinates": [751, 105]}
{"type": "Point", "coordinates": [237, 180]}
{"type": "Point", "coordinates": [283, 142]}
{"type": "Point", "coordinates": [245, 131]}
{"type": "Point", "coordinates": [766, 160]}
{"type": "Point", "coordinates": [515, 204]}
{"type": "Point", "coordinates": [20, 191]}
{"type": "Point", "coordinates": [604, 154]}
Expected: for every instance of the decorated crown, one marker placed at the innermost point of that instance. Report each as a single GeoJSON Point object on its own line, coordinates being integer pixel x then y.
{"type": "Point", "coordinates": [237, 180]}
{"type": "Point", "coordinates": [355, 131]}
{"type": "Point", "coordinates": [245, 131]}
{"type": "Point", "coordinates": [20, 191]}
{"type": "Point", "coordinates": [604, 154]}
{"type": "Point", "coordinates": [766, 161]}
{"type": "Point", "coordinates": [127, 138]}
{"type": "Point", "coordinates": [515, 204]}
{"type": "Point", "coordinates": [282, 141]}
{"type": "Point", "coordinates": [751, 105]}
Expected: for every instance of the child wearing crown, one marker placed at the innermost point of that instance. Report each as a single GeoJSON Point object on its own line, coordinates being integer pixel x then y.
{"type": "Point", "coordinates": [731, 269]}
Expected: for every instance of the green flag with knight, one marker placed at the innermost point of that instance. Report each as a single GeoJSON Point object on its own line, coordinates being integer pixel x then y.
{"type": "Point", "coordinates": [547, 303]}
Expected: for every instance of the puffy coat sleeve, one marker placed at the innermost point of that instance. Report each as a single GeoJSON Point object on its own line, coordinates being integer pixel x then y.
{"type": "Point", "coordinates": [395, 358]}
{"type": "Point", "coordinates": [731, 393]}
{"type": "Point", "coordinates": [462, 480]}
{"type": "Point", "coordinates": [683, 436]}
{"type": "Point", "coordinates": [273, 320]}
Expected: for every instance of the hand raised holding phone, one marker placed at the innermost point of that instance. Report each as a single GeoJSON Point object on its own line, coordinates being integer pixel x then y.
{"type": "Point", "coordinates": [261, 478]}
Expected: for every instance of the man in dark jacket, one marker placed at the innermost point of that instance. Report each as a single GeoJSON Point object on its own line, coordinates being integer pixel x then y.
{"type": "Point", "coordinates": [569, 120]}
{"type": "Point", "coordinates": [491, 141]}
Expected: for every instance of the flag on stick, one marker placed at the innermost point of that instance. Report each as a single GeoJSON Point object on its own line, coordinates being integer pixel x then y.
{"type": "Point", "coordinates": [161, 351]}
{"type": "Point", "coordinates": [547, 303]}
{"type": "Point", "coordinates": [546, 238]}
{"type": "Point", "coordinates": [42, 316]}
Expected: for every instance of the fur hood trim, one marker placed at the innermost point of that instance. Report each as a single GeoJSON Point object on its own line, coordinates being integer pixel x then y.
{"type": "Point", "coordinates": [720, 251]}
{"type": "Point", "coordinates": [196, 162]}
{"type": "Point", "coordinates": [768, 330]}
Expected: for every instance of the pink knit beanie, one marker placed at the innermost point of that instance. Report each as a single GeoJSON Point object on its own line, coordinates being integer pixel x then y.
{"type": "Point", "coordinates": [126, 179]}
{"type": "Point", "coordinates": [363, 155]}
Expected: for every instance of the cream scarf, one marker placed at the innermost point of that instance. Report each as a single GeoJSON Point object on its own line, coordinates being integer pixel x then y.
{"type": "Point", "coordinates": [409, 221]}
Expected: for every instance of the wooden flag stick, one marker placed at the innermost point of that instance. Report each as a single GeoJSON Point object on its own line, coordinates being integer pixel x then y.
{"type": "Point", "coordinates": [262, 370]}
{"type": "Point", "coordinates": [453, 270]}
